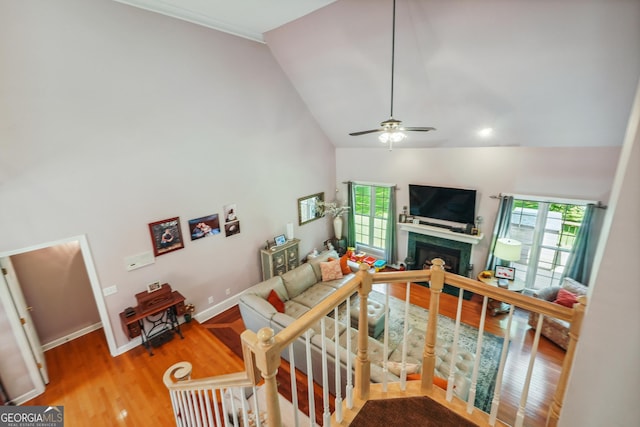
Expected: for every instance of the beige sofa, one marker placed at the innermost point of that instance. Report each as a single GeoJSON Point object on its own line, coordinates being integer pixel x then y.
{"type": "Point", "coordinates": [554, 329]}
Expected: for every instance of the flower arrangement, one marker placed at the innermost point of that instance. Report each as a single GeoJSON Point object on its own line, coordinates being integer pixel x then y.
{"type": "Point", "coordinates": [332, 208]}
{"type": "Point", "coordinates": [189, 308]}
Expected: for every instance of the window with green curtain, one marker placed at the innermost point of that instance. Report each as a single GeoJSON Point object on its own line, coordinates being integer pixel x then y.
{"type": "Point", "coordinates": [371, 217]}
{"type": "Point", "coordinates": [547, 232]}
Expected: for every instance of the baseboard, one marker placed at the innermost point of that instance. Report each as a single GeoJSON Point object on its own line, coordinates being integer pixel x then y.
{"type": "Point", "coordinates": [72, 336]}
{"type": "Point", "coordinates": [26, 397]}
{"type": "Point", "coordinates": [213, 311]}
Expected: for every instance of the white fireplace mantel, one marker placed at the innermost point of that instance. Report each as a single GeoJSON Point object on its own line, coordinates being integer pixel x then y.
{"type": "Point", "coordinates": [444, 233]}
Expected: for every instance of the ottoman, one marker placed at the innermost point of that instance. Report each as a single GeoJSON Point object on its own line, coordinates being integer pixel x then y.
{"type": "Point", "coordinates": [375, 316]}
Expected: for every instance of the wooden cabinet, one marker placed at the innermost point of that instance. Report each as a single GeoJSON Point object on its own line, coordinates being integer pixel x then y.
{"type": "Point", "coordinates": [277, 261]}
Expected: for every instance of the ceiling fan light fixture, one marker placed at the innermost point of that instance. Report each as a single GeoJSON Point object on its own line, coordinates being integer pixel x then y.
{"type": "Point", "coordinates": [392, 136]}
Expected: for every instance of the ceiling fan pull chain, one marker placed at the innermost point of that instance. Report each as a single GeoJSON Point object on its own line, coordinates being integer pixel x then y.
{"type": "Point", "coordinates": [393, 52]}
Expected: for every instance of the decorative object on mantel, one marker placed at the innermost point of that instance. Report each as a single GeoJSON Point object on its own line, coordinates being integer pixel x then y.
{"type": "Point", "coordinates": [403, 215]}
{"type": "Point", "coordinates": [335, 211]}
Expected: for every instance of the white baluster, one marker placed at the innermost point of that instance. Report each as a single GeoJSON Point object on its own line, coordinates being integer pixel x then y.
{"type": "Point", "coordinates": [336, 339]}
{"type": "Point", "coordinates": [200, 409]}
{"type": "Point", "coordinates": [216, 409]}
{"type": "Point", "coordinates": [325, 376]}
{"type": "Point", "coordinates": [207, 404]}
{"type": "Point", "coordinates": [403, 369]}
{"type": "Point", "coordinates": [192, 415]}
{"type": "Point", "coordinates": [256, 405]}
{"type": "Point", "coordinates": [175, 405]}
{"type": "Point", "coordinates": [454, 348]}
{"type": "Point", "coordinates": [294, 386]}
{"type": "Point", "coordinates": [476, 365]}
{"type": "Point", "coordinates": [503, 360]}
{"type": "Point", "coordinates": [310, 394]}
{"type": "Point", "coordinates": [385, 355]}
{"type": "Point", "coordinates": [349, 358]}
{"type": "Point", "coordinates": [527, 381]}
{"type": "Point", "coordinates": [243, 404]}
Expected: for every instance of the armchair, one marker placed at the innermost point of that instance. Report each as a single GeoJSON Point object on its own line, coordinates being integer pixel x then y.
{"type": "Point", "coordinates": [554, 329]}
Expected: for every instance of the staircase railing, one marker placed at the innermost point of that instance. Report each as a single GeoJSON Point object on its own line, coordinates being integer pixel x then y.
{"type": "Point", "coordinates": [193, 399]}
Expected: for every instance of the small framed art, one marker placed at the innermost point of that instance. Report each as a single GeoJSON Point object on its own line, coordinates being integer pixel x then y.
{"type": "Point", "coordinates": [280, 240]}
{"type": "Point", "coordinates": [152, 287]}
{"type": "Point", "coordinates": [505, 272]}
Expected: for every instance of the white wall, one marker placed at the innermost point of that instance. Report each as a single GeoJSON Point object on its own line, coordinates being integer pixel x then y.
{"type": "Point", "coordinates": [605, 381]}
{"type": "Point", "coordinates": [579, 173]}
{"type": "Point", "coordinates": [112, 117]}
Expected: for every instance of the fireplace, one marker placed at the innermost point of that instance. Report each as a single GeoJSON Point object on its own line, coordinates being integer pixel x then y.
{"type": "Point", "coordinates": [456, 255]}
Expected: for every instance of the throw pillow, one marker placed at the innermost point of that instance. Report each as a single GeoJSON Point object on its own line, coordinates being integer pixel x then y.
{"type": "Point", "coordinates": [566, 298]}
{"type": "Point", "coordinates": [437, 381]}
{"type": "Point", "coordinates": [344, 266]}
{"type": "Point", "coordinates": [331, 270]}
{"type": "Point", "coordinates": [275, 301]}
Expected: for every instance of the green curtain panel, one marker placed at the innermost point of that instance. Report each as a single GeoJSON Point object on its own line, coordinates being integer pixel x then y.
{"type": "Point", "coordinates": [501, 228]}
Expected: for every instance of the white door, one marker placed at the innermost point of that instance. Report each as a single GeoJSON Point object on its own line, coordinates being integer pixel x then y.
{"type": "Point", "coordinates": [25, 318]}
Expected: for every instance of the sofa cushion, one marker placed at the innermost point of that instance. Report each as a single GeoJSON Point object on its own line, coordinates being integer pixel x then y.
{"type": "Point", "coordinates": [323, 257]}
{"type": "Point", "coordinates": [298, 280]}
{"type": "Point", "coordinates": [312, 296]}
{"type": "Point", "coordinates": [574, 286]}
{"type": "Point", "coordinates": [336, 284]}
{"type": "Point", "coordinates": [331, 270]}
{"type": "Point", "coordinates": [295, 309]}
{"type": "Point", "coordinates": [263, 289]}
{"type": "Point", "coordinates": [566, 298]}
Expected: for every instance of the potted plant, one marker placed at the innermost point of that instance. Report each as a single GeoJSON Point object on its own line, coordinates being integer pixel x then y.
{"type": "Point", "coordinates": [188, 312]}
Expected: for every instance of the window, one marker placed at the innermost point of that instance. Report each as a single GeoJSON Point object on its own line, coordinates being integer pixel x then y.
{"type": "Point", "coordinates": [371, 217]}
{"type": "Point", "coordinates": [547, 232]}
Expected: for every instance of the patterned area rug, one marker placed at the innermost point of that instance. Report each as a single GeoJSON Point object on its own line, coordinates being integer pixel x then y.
{"type": "Point", "coordinates": [467, 340]}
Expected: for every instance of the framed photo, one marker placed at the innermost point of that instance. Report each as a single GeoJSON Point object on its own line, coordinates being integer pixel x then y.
{"type": "Point", "coordinates": [205, 226]}
{"type": "Point", "coordinates": [166, 236]}
{"type": "Point", "coordinates": [152, 287]}
{"type": "Point", "coordinates": [280, 240]}
{"type": "Point", "coordinates": [232, 228]}
{"type": "Point", "coordinates": [230, 213]}
{"type": "Point", "coordinates": [505, 273]}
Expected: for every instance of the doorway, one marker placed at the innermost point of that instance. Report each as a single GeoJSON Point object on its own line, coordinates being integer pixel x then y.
{"type": "Point", "coordinates": [95, 291]}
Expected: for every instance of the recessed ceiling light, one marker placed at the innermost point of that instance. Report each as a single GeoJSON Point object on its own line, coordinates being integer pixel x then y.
{"type": "Point", "coordinates": [485, 133]}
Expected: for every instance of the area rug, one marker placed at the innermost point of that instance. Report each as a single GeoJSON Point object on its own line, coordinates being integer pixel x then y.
{"type": "Point", "coordinates": [411, 411]}
{"type": "Point", "coordinates": [417, 319]}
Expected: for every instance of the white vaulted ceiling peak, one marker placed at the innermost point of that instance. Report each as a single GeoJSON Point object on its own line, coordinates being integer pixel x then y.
{"type": "Point", "coordinates": [551, 73]}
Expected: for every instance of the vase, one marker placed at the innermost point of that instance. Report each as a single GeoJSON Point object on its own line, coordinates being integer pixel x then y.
{"type": "Point", "coordinates": [337, 227]}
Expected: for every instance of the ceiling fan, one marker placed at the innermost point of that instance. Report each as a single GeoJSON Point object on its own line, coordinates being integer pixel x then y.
{"type": "Point", "coordinates": [392, 129]}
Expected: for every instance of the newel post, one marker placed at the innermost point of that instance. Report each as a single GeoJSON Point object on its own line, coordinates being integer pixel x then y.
{"type": "Point", "coordinates": [429, 356]}
{"type": "Point", "coordinates": [363, 365]}
{"type": "Point", "coordinates": [574, 334]}
{"type": "Point", "coordinates": [268, 361]}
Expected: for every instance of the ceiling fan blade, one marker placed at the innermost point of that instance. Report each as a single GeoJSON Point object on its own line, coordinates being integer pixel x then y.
{"type": "Point", "coordinates": [364, 132]}
{"type": "Point", "coordinates": [419, 129]}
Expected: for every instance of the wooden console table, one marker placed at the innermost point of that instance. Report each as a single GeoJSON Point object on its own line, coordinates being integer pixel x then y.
{"type": "Point", "coordinates": [155, 323]}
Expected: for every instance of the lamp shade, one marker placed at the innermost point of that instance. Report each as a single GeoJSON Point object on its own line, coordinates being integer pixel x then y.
{"type": "Point", "coordinates": [507, 249]}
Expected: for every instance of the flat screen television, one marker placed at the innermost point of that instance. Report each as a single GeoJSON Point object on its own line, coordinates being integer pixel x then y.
{"type": "Point", "coordinates": [447, 204]}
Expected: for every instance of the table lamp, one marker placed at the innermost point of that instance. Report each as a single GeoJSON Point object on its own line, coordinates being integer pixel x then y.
{"type": "Point", "coordinates": [507, 250]}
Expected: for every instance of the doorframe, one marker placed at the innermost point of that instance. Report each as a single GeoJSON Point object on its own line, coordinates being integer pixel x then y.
{"type": "Point", "coordinates": [93, 279]}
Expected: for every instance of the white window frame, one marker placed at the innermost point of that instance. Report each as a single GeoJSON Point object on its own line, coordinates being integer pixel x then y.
{"type": "Point", "coordinates": [368, 247]}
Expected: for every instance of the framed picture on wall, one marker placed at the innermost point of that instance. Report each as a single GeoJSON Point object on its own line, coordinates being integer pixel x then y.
{"type": "Point", "coordinates": [166, 236]}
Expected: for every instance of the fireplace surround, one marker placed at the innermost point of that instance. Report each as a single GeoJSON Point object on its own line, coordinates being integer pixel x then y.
{"type": "Point", "coordinates": [456, 255]}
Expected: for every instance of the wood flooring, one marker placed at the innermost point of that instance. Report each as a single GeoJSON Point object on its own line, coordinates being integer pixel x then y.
{"type": "Point", "coordinates": [99, 390]}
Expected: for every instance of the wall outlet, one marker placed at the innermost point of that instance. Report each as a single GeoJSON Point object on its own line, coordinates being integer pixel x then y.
{"type": "Point", "coordinates": [110, 290]}
{"type": "Point", "coordinates": [210, 300]}
{"type": "Point", "coordinates": [228, 291]}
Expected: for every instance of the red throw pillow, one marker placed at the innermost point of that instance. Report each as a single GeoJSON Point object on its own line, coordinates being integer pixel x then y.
{"type": "Point", "coordinates": [566, 298]}
{"type": "Point", "coordinates": [440, 382]}
{"type": "Point", "coordinates": [275, 301]}
{"type": "Point", "coordinates": [344, 266]}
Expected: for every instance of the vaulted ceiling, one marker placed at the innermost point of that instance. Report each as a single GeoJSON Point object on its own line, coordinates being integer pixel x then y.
{"type": "Point", "coordinates": [559, 73]}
